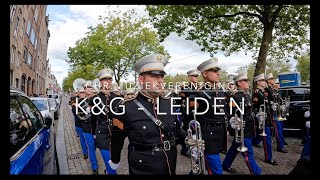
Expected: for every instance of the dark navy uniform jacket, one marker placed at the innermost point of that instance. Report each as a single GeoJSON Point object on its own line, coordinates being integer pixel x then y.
{"type": "Point", "coordinates": [248, 115]}
{"type": "Point", "coordinates": [213, 126]}
{"type": "Point", "coordinates": [257, 99]}
{"type": "Point", "coordinates": [102, 123]}
{"type": "Point", "coordinates": [144, 134]}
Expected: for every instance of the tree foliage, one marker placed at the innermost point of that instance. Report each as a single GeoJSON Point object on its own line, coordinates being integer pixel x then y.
{"type": "Point", "coordinates": [274, 67]}
{"type": "Point", "coordinates": [303, 66]}
{"type": "Point", "coordinates": [269, 31]}
{"type": "Point", "coordinates": [87, 72]}
{"type": "Point", "coordinates": [117, 43]}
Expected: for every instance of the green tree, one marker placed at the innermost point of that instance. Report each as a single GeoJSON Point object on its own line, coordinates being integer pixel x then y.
{"type": "Point", "coordinates": [117, 43]}
{"type": "Point", "coordinates": [269, 30]}
{"type": "Point", "coordinates": [274, 67]}
{"type": "Point", "coordinates": [87, 72]}
{"type": "Point", "coordinates": [303, 66]}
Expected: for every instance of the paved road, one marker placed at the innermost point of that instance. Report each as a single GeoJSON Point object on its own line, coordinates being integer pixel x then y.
{"type": "Point", "coordinates": [78, 165]}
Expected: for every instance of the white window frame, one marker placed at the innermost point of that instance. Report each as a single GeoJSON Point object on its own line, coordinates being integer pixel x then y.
{"type": "Point", "coordinates": [18, 59]}
{"type": "Point", "coordinates": [12, 12]}
{"type": "Point", "coordinates": [29, 59]}
{"type": "Point", "coordinates": [13, 53]}
{"type": "Point", "coordinates": [16, 31]}
{"type": "Point", "coordinates": [36, 14]}
{"type": "Point", "coordinates": [22, 28]}
{"type": "Point", "coordinates": [28, 28]}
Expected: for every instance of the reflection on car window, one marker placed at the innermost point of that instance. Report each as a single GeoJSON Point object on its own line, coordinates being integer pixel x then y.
{"type": "Point", "coordinates": [41, 104]}
{"type": "Point", "coordinates": [30, 109]}
{"type": "Point", "coordinates": [296, 94]}
{"type": "Point", "coordinates": [52, 102]}
{"type": "Point", "coordinates": [20, 127]}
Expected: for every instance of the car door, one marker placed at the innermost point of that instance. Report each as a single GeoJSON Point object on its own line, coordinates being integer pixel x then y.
{"type": "Point", "coordinates": [28, 152]}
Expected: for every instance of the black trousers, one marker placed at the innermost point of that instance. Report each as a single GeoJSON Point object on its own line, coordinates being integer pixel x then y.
{"type": "Point", "coordinates": [151, 162]}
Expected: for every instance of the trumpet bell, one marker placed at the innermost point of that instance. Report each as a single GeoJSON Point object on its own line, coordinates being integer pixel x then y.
{"type": "Point", "coordinates": [263, 134]}
{"type": "Point", "coordinates": [242, 149]}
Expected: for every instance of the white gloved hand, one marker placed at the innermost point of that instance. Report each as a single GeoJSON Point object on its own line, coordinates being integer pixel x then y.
{"type": "Point", "coordinates": [194, 137]}
{"type": "Point", "coordinates": [113, 165]}
{"type": "Point", "coordinates": [88, 109]}
{"type": "Point", "coordinates": [194, 153]}
{"type": "Point", "coordinates": [233, 122]}
{"type": "Point", "coordinates": [307, 114]}
{"type": "Point", "coordinates": [308, 124]}
{"type": "Point", "coordinates": [94, 136]}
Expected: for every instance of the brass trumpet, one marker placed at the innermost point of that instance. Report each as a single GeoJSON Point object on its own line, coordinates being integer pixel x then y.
{"type": "Point", "coordinates": [240, 124]}
{"type": "Point", "coordinates": [196, 146]}
{"type": "Point", "coordinates": [262, 116]}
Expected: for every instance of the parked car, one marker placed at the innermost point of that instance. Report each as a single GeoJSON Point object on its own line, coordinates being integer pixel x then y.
{"type": "Point", "coordinates": [54, 107]}
{"type": "Point", "coordinates": [32, 138]}
{"type": "Point", "coordinates": [43, 106]}
{"type": "Point", "coordinates": [299, 103]}
{"type": "Point", "coordinates": [57, 98]}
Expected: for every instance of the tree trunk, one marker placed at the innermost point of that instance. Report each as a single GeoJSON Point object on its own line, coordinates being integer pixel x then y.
{"type": "Point", "coordinates": [264, 47]}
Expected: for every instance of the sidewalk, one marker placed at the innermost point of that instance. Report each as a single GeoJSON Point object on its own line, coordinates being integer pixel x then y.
{"type": "Point", "coordinates": [78, 165]}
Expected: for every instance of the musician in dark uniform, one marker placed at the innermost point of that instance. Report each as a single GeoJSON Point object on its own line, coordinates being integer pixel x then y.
{"type": "Point", "coordinates": [101, 112]}
{"type": "Point", "coordinates": [273, 97]}
{"type": "Point", "coordinates": [184, 93]}
{"type": "Point", "coordinates": [152, 134]}
{"type": "Point", "coordinates": [242, 83]}
{"type": "Point", "coordinates": [86, 124]}
{"type": "Point", "coordinates": [78, 124]}
{"type": "Point", "coordinates": [230, 90]}
{"type": "Point", "coordinates": [258, 98]}
{"type": "Point", "coordinates": [213, 126]}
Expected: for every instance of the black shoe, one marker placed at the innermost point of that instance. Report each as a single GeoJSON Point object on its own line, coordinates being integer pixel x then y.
{"type": "Point", "coordinates": [272, 162]}
{"type": "Point", "coordinates": [85, 156]}
{"type": "Point", "coordinates": [187, 154]}
{"type": "Point", "coordinates": [95, 172]}
{"type": "Point", "coordinates": [230, 170]}
{"type": "Point", "coordinates": [257, 145]}
{"type": "Point", "coordinates": [224, 152]}
{"type": "Point", "coordinates": [283, 150]}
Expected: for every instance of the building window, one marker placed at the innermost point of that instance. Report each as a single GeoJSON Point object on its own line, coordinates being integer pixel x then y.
{"type": "Point", "coordinates": [13, 53]}
{"type": "Point", "coordinates": [12, 12]}
{"type": "Point", "coordinates": [23, 83]}
{"type": "Point", "coordinates": [25, 51]}
{"type": "Point", "coordinates": [28, 28]}
{"type": "Point", "coordinates": [11, 77]}
{"type": "Point", "coordinates": [18, 59]}
{"type": "Point", "coordinates": [33, 37]}
{"type": "Point", "coordinates": [22, 28]}
{"type": "Point", "coordinates": [36, 14]}
{"type": "Point", "coordinates": [30, 59]}
{"type": "Point", "coordinates": [17, 83]}
{"type": "Point", "coordinates": [15, 34]}
{"type": "Point", "coordinates": [35, 44]}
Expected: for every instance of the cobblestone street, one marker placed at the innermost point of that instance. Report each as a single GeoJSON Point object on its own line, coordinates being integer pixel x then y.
{"type": "Point", "coordinates": [78, 165]}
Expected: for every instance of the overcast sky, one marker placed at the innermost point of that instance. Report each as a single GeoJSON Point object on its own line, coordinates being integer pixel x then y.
{"type": "Point", "coordinates": [69, 23]}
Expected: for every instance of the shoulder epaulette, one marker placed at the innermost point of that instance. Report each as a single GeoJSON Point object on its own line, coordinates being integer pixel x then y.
{"type": "Point", "coordinates": [129, 97]}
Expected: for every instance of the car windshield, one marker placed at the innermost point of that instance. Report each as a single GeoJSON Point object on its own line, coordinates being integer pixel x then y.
{"type": "Point", "coordinates": [41, 104]}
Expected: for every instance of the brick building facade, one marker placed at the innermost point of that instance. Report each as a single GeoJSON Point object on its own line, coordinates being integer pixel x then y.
{"type": "Point", "coordinates": [29, 37]}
